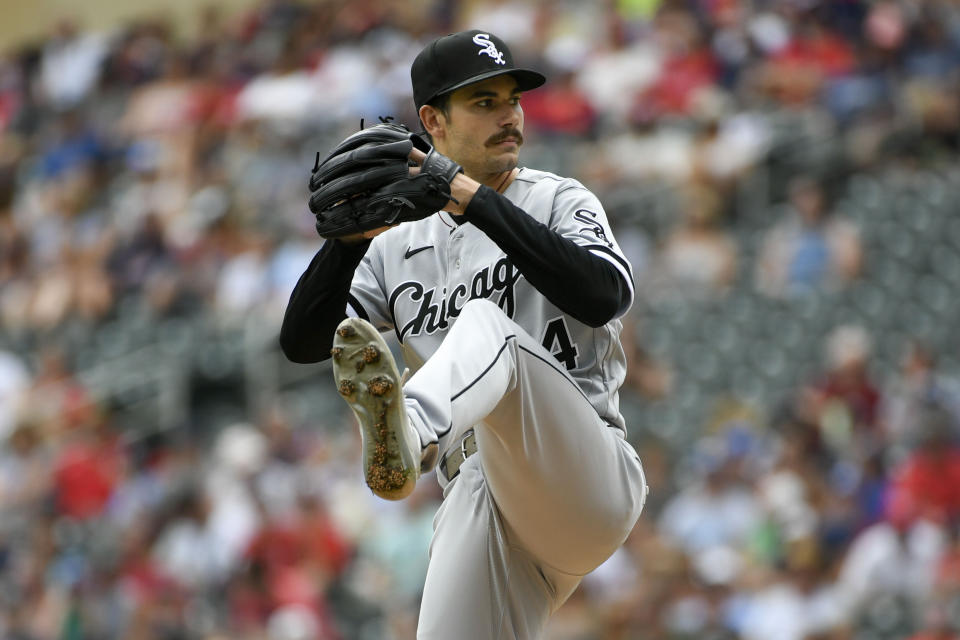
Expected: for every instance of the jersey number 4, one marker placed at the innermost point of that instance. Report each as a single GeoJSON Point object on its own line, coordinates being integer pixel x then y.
{"type": "Point", "coordinates": [556, 340]}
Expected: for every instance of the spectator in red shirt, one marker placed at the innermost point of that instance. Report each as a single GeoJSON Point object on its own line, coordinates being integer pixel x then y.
{"type": "Point", "coordinates": [689, 65]}
{"type": "Point", "coordinates": [294, 561]}
{"type": "Point", "coordinates": [560, 108]}
{"type": "Point", "coordinates": [848, 378]}
{"type": "Point", "coordinates": [817, 48]}
{"type": "Point", "coordinates": [930, 476]}
{"type": "Point", "coordinates": [87, 469]}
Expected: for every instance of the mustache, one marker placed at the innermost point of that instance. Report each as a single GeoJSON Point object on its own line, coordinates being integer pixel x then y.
{"type": "Point", "coordinates": [503, 135]}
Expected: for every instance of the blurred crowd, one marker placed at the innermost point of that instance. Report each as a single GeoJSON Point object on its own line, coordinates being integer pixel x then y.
{"type": "Point", "coordinates": [144, 171]}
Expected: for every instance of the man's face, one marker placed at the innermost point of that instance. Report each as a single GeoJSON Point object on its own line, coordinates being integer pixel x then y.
{"type": "Point", "coordinates": [484, 129]}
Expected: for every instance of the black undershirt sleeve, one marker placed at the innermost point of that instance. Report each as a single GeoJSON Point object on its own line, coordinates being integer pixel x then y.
{"type": "Point", "coordinates": [576, 281]}
{"type": "Point", "coordinates": [579, 283]}
{"type": "Point", "coordinates": [319, 302]}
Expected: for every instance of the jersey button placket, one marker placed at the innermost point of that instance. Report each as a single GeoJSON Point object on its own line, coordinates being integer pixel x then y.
{"type": "Point", "coordinates": [457, 238]}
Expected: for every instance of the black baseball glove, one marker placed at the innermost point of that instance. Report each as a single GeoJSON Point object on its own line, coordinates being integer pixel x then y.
{"type": "Point", "coordinates": [365, 182]}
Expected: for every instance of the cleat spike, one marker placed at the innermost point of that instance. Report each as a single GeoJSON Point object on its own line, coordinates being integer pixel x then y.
{"type": "Point", "coordinates": [379, 386]}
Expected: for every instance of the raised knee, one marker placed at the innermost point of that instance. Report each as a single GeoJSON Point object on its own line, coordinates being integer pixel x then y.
{"type": "Point", "coordinates": [481, 307]}
{"type": "Point", "coordinates": [481, 319]}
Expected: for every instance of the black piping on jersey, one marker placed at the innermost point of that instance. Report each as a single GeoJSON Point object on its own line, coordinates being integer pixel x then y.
{"type": "Point", "coordinates": [565, 374]}
{"type": "Point", "coordinates": [484, 372]}
{"type": "Point", "coordinates": [552, 365]}
{"type": "Point", "coordinates": [500, 351]}
{"type": "Point", "coordinates": [356, 306]}
{"type": "Point", "coordinates": [583, 285]}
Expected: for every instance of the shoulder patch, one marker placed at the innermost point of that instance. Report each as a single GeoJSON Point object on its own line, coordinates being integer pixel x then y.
{"type": "Point", "coordinates": [590, 227]}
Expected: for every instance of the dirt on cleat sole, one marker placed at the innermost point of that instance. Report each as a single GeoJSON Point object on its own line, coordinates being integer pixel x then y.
{"type": "Point", "coordinates": [379, 386]}
{"type": "Point", "coordinates": [367, 379]}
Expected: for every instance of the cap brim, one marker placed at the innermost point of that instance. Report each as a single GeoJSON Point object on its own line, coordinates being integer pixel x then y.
{"type": "Point", "coordinates": [526, 80]}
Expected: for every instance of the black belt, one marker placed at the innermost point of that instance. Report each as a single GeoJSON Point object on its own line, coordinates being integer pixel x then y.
{"type": "Point", "coordinates": [456, 455]}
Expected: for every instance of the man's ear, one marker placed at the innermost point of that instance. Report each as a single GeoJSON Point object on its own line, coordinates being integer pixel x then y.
{"type": "Point", "coordinates": [434, 122]}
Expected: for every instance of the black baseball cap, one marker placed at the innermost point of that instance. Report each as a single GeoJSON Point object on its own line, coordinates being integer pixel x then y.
{"type": "Point", "coordinates": [459, 59]}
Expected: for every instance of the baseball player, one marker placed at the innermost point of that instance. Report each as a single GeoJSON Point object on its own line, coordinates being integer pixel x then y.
{"type": "Point", "coordinates": [506, 303]}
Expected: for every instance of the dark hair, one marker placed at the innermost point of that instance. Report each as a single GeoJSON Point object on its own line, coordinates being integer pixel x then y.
{"type": "Point", "coordinates": [442, 104]}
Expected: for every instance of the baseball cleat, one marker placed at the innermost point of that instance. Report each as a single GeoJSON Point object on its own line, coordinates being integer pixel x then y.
{"type": "Point", "coordinates": [367, 378]}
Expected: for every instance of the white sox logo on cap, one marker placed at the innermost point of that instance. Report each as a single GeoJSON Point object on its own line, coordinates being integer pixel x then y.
{"type": "Point", "coordinates": [483, 40]}
{"type": "Point", "coordinates": [453, 61]}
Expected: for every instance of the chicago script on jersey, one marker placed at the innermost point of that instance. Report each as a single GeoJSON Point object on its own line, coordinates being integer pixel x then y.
{"type": "Point", "coordinates": [434, 314]}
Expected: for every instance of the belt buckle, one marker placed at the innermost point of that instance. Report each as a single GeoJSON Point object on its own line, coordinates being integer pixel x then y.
{"type": "Point", "coordinates": [463, 444]}
{"type": "Point", "coordinates": [447, 457]}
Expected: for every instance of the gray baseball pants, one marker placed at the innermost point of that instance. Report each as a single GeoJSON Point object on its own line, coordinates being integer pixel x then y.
{"type": "Point", "coordinates": [552, 491]}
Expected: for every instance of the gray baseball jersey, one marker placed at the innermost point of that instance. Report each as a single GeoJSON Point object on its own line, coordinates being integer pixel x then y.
{"type": "Point", "coordinates": [415, 278]}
